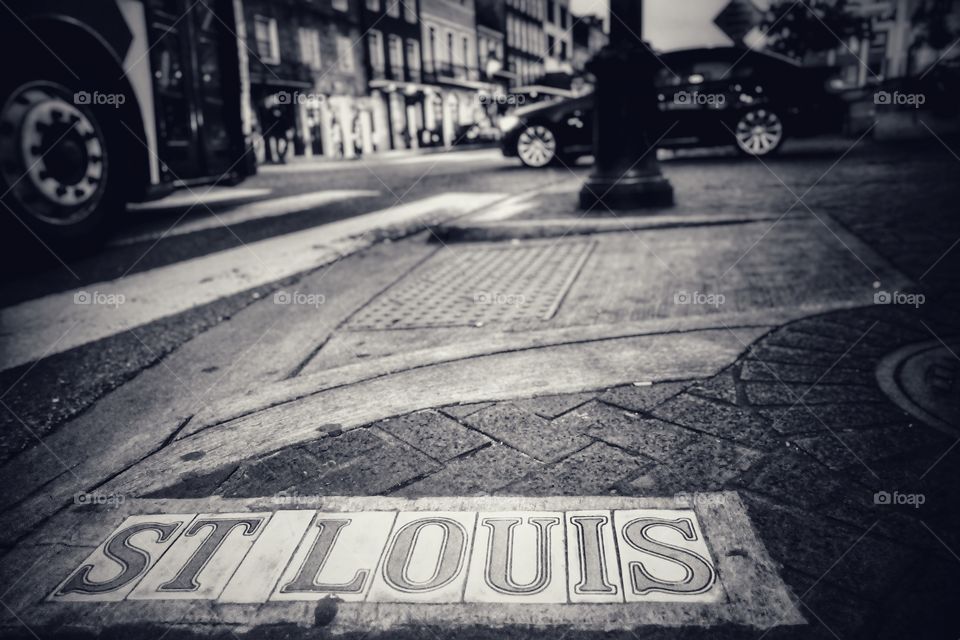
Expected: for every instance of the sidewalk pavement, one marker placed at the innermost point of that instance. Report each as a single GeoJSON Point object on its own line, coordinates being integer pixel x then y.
{"type": "Point", "coordinates": [827, 410]}
{"type": "Point", "coordinates": [394, 154]}
{"type": "Point", "coordinates": [797, 426]}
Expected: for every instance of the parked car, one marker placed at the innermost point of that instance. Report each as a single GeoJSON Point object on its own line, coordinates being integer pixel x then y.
{"type": "Point", "coordinates": [707, 97]}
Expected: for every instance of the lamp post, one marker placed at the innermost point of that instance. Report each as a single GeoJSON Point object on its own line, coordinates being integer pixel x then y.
{"type": "Point", "coordinates": [626, 174]}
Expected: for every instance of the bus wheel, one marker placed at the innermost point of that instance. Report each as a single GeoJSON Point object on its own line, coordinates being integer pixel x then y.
{"type": "Point", "coordinates": [55, 165]}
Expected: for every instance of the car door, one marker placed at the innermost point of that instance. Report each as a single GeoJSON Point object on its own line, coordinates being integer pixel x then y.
{"type": "Point", "coordinates": [671, 84]}
{"type": "Point", "coordinates": [577, 126]}
{"type": "Point", "coordinates": [701, 93]}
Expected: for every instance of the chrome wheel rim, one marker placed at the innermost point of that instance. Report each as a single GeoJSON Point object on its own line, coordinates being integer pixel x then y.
{"type": "Point", "coordinates": [54, 154]}
{"type": "Point", "coordinates": [759, 132]}
{"type": "Point", "coordinates": [537, 146]}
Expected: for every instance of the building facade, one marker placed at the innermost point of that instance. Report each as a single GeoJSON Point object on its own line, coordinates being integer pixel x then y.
{"type": "Point", "coordinates": [307, 80]}
{"type": "Point", "coordinates": [451, 67]}
{"type": "Point", "coordinates": [395, 72]}
{"type": "Point", "coordinates": [525, 42]}
{"type": "Point", "coordinates": [558, 31]}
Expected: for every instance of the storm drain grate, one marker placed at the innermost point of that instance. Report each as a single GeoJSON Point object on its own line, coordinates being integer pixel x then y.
{"type": "Point", "coordinates": [473, 285]}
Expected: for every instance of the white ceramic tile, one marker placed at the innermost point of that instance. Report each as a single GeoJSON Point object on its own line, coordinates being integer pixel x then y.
{"type": "Point", "coordinates": [426, 558]}
{"type": "Point", "coordinates": [104, 569]}
{"type": "Point", "coordinates": [260, 570]}
{"type": "Point", "coordinates": [512, 570]}
{"type": "Point", "coordinates": [654, 537]}
{"type": "Point", "coordinates": [348, 568]}
{"type": "Point", "coordinates": [164, 581]}
{"type": "Point", "coordinates": [592, 568]}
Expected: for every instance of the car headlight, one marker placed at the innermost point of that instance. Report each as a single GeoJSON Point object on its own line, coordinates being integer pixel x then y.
{"type": "Point", "coordinates": [508, 123]}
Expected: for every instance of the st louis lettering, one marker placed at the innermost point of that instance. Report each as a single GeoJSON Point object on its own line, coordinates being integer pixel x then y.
{"type": "Point", "coordinates": [698, 574]}
{"type": "Point", "coordinates": [450, 556]}
{"type": "Point", "coordinates": [496, 557]}
{"type": "Point", "coordinates": [133, 560]}
{"type": "Point", "coordinates": [186, 578]}
{"type": "Point", "coordinates": [500, 549]}
{"type": "Point", "coordinates": [308, 577]}
{"type": "Point", "coordinates": [593, 568]}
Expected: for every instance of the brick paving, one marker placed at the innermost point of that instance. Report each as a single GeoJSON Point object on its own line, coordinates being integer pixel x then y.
{"type": "Point", "coordinates": [807, 462]}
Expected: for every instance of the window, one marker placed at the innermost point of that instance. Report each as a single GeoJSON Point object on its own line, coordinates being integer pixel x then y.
{"type": "Point", "coordinates": [413, 54]}
{"type": "Point", "coordinates": [373, 5]}
{"type": "Point", "coordinates": [309, 47]}
{"type": "Point", "coordinates": [268, 40]}
{"type": "Point", "coordinates": [449, 47]}
{"type": "Point", "coordinates": [564, 18]}
{"type": "Point", "coordinates": [393, 8]}
{"type": "Point", "coordinates": [341, 5]}
{"type": "Point", "coordinates": [707, 71]}
{"type": "Point", "coordinates": [375, 43]}
{"type": "Point", "coordinates": [410, 11]}
{"type": "Point", "coordinates": [551, 44]}
{"type": "Point", "coordinates": [345, 54]}
{"type": "Point", "coordinates": [396, 54]}
{"type": "Point", "coordinates": [466, 52]}
{"type": "Point", "coordinates": [431, 48]}
{"type": "Point", "coordinates": [563, 50]}
{"type": "Point", "coordinates": [551, 10]}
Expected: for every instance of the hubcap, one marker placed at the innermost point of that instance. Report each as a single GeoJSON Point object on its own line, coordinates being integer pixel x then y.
{"type": "Point", "coordinates": [537, 146]}
{"type": "Point", "coordinates": [759, 132]}
{"type": "Point", "coordinates": [54, 154]}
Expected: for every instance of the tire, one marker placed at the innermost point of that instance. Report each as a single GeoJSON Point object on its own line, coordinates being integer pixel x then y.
{"type": "Point", "coordinates": [538, 146]}
{"type": "Point", "coordinates": [60, 170]}
{"type": "Point", "coordinates": [759, 132]}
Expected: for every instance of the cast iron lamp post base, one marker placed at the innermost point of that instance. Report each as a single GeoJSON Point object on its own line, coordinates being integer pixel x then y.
{"type": "Point", "coordinates": [626, 174]}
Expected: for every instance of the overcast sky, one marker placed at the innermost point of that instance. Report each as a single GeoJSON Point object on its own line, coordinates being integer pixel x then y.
{"type": "Point", "coordinates": [672, 24]}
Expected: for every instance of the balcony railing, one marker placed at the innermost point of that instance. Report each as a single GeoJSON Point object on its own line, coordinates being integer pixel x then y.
{"type": "Point", "coordinates": [398, 73]}
{"type": "Point", "coordinates": [445, 71]}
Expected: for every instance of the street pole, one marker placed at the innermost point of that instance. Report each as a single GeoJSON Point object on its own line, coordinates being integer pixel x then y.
{"type": "Point", "coordinates": [626, 174]}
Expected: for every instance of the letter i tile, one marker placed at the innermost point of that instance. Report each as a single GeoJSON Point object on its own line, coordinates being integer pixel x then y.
{"type": "Point", "coordinates": [593, 568]}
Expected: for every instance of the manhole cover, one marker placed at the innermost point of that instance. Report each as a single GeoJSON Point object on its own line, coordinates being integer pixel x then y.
{"type": "Point", "coordinates": [924, 380]}
{"type": "Point", "coordinates": [477, 284]}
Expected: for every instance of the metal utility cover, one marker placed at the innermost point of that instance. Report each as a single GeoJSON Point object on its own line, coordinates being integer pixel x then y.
{"type": "Point", "coordinates": [476, 284]}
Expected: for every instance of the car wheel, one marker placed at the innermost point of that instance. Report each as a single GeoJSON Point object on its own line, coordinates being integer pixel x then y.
{"type": "Point", "coordinates": [759, 132]}
{"type": "Point", "coordinates": [55, 170]}
{"type": "Point", "coordinates": [537, 146]}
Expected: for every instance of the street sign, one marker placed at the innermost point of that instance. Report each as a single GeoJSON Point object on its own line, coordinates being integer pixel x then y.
{"type": "Point", "coordinates": [737, 19]}
{"type": "Point", "coordinates": [591, 562]}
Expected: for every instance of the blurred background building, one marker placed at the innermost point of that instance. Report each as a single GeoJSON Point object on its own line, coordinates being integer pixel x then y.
{"type": "Point", "coordinates": [307, 76]}
{"type": "Point", "coordinates": [342, 78]}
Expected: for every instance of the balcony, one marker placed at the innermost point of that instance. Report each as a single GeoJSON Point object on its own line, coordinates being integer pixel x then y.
{"type": "Point", "coordinates": [442, 71]}
{"type": "Point", "coordinates": [397, 73]}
